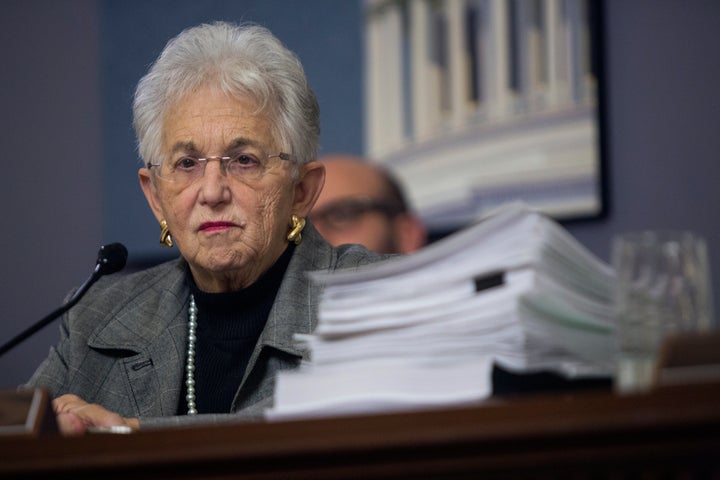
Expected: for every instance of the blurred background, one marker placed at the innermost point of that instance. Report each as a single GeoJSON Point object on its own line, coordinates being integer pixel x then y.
{"type": "Point", "coordinates": [69, 182]}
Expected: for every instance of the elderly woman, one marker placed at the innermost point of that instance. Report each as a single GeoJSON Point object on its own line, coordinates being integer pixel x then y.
{"type": "Point", "coordinates": [228, 129]}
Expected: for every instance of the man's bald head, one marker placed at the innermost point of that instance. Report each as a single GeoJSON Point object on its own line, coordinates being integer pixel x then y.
{"type": "Point", "coordinates": [362, 203]}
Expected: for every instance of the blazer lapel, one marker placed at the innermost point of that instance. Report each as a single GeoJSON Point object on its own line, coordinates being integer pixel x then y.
{"type": "Point", "coordinates": [152, 330]}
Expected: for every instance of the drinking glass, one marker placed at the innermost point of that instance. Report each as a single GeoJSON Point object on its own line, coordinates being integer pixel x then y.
{"type": "Point", "coordinates": [663, 287]}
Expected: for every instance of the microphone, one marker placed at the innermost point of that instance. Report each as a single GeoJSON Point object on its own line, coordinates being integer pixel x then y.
{"type": "Point", "coordinates": [111, 258]}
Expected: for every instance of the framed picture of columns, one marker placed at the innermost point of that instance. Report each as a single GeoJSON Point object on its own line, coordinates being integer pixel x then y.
{"type": "Point", "coordinates": [474, 103]}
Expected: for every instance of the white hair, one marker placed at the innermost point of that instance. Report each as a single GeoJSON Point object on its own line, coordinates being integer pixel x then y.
{"type": "Point", "coordinates": [243, 61]}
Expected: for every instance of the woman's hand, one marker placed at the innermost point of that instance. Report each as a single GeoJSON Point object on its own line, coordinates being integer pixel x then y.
{"type": "Point", "coordinates": [75, 416]}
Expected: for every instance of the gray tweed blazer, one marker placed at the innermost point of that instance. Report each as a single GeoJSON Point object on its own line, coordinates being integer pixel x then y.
{"type": "Point", "coordinates": [123, 345]}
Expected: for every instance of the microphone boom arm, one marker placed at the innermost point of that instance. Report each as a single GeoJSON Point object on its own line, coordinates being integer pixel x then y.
{"type": "Point", "coordinates": [111, 258]}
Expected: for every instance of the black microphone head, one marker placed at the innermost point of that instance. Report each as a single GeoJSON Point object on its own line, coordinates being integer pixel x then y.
{"type": "Point", "coordinates": [111, 258]}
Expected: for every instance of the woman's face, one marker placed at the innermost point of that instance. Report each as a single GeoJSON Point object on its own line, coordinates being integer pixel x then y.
{"type": "Point", "coordinates": [229, 229]}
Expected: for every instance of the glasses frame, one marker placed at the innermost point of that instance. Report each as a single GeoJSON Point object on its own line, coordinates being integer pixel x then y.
{"type": "Point", "coordinates": [362, 206]}
{"type": "Point", "coordinates": [204, 160]}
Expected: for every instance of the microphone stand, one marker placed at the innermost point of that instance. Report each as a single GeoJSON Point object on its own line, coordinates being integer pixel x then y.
{"type": "Point", "coordinates": [53, 315]}
{"type": "Point", "coordinates": [111, 258]}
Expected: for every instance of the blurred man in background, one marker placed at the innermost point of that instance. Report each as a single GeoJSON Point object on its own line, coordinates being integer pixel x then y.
{"type": "Point", "coordinates": [362, 203]}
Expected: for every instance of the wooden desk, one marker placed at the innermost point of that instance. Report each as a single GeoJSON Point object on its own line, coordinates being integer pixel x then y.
{"type": "Point", "coordinates": [672, 433]}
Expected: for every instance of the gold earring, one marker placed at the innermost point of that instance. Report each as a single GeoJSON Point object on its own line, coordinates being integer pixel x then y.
{"type": "Point", "coordinates": [165, 237]}
{"type": "Point", "coordinates": [296, 226]}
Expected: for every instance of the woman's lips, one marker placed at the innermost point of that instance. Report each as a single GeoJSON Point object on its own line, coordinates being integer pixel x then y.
{"type": "Point", "coordinates": [215, 226]}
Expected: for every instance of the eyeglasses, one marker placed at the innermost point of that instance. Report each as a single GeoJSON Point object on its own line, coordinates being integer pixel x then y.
{"type": "Point", "coordinates": [344, 214]}
{"type": "Point", "coordinates": [243, 166]}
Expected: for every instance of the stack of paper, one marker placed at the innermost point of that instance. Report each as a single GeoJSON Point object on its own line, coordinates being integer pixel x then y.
{"type": "Point", "coordinates": [514, 290]}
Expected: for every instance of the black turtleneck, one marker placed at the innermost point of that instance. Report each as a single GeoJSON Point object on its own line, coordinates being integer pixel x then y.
{"type": "Point", "coordinates": [229, 325]}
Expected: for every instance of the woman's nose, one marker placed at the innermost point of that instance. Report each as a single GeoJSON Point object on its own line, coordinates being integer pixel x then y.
{"type": "Point", "coordinates": [220, 162]}
{"type": "Point", "coordinates": [214, 182]}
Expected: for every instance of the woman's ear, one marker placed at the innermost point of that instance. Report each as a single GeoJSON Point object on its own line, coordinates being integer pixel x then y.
{"type": "Point", "coordinates": [150, 191]}
{"type": "Point", "coordinates": [308, 187]}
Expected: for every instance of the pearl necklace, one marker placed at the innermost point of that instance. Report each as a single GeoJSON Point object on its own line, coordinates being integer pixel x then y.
{"type": "Point", "coordinates": [190, 367]}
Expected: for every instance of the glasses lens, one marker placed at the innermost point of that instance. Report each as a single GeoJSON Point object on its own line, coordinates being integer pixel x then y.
{"type": "Point", "coordinates": [347, 213]}
{"type": "Point", "coordinates": [246, 166]}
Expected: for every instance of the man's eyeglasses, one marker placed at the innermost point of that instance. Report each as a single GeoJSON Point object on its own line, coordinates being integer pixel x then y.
{"type": "Point", "coordinates": [343, 214]}
{"type": "Point", "coordinates": [241, 166]}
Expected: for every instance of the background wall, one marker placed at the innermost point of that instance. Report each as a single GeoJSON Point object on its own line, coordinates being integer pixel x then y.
{"type": "Point", "coordinates": [69, 184]}
{"type": "Point", "coordinates": [51, 154]}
